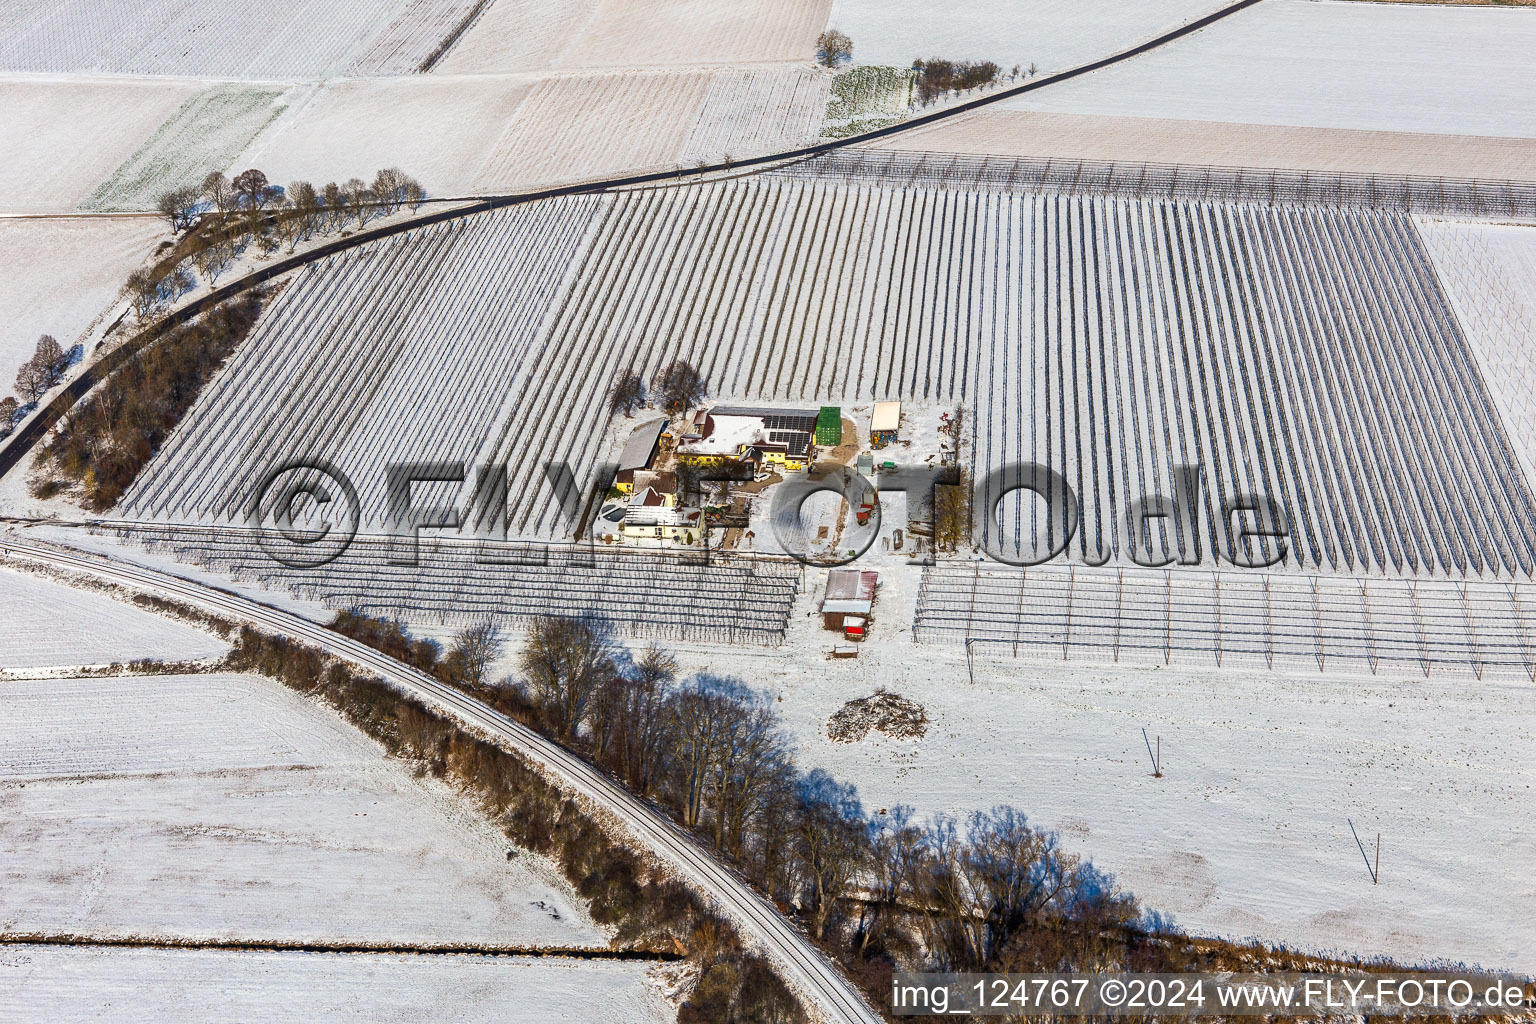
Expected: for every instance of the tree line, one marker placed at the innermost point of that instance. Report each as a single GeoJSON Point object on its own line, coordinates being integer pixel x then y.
{"type": "Point", "coordinates": [223, 218]}
{"type": "Point", "coordinates": [35, 378]}
{"type": "Point", "coordinates": [109, 437]}
{"type": "Point", "coordinates": [882, 891]}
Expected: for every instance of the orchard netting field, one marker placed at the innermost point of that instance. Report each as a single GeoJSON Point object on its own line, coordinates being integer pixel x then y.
{"type": "Point", "coordinates": [1302, 354]}
{"type": "Point", "coordinates": [1258, 620]}
{"type": "Point", "coordinates": [227, 38]}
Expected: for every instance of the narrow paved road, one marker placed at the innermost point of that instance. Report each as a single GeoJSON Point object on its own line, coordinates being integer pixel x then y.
{"type": "Point", "coordinates": [16, 447]}
{"type": "Point", "coordinates": [815, 977]}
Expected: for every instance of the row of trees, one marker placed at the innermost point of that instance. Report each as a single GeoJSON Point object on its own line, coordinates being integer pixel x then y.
{"type": "Point", "coordinates": [936, 76]}
{"type": "Point", "coordinates": [714, 752]}
{"type": "Point", "coordinates": [224, 217]}
{"type": "Point", "coordinates": [677, 387]}
{"type": "Point", "coordinates": [36, 376]}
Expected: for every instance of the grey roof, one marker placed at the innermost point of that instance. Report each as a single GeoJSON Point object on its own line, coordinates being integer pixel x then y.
{"type": "Point", "coordinates": [642, 442]}
{"type": "Point", "coordinates": [773, 419]}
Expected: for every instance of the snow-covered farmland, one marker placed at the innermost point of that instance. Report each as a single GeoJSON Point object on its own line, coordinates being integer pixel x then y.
{"type": "Point", "coordinates": [752, 112]}
{"type": "Point", "coordinates": [440, 130]}
{"type": "Point", "coordinates": [61, 274]}
{"type": "Point", "coordinates": [129, 986]}
{"type": "Point", "coordinates": [1303, 354]}
{"type": "Point", "coordinates": [61, 138]}
{"type": "Point", "coordinates": [1331, 64]}
{"type": "Point", "coordinates": [228, 807]}
{"type": "Point", "coordinates": [592, 126]}
{"type": "Point", "coordinates": [248, 39]}
{"type": "Point", "coordinates": [586, 34]}
{"type": "Point", "coordinates": [1246, 833]}
{"type": "Point", "coordinates": [1051, 34]}
{"type": "Point", "coordinates": [1158, 140]}
{"type": "Point", "coordinates": [1489, 270]}
{"type": "Point", "coordinates": [205, 134]}
{"type": "Point", "coordinates": [48, 625]}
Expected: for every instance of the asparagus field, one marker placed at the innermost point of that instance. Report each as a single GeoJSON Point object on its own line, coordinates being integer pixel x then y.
{"type": "Point", "coordinates": [1302, 354]}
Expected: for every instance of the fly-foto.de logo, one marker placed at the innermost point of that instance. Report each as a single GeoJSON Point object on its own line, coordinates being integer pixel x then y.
{"type": "Point", "coordinates": [306, 514]}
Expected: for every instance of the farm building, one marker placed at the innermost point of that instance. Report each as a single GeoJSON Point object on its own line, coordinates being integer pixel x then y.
{"type": "Point", "coordinates": [885, 426]}
{"type": "Point", "coordinates": [849, 599]}
{"type": "Point", "coordinates": [724, 434]}
{"type": "Point", "coordinates": [654, 515]}
{"type": "Point", "coordinates": [638, 454]}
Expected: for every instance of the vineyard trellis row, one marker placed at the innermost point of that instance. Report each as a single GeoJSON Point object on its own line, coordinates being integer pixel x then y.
{"type": "Point", "coordinates": [1300, 353]}
{"type": "Point", "coordinates": [1327, 623]}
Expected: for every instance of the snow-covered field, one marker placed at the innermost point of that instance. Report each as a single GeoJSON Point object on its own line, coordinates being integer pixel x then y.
{"type": "Point", "coordinates": [585, 34]}
{"type": "Point", "coordinates": [1161, 140]}
{"type": "Point", "coordinates": [129, 986]}
{"type": "Point", "coordinates": [49, 625]}
{"type": "Point", "coordinates": [439, 130]}
{"type": "Point", "coordinates": [1247, 833]}
{"type": "Point", "coordinates": [1489, 271]}
{"type": "Point", "coordinates": [62, 137]}
{"type": "Point", "coordinates": [224, 39]}
{"type": "Point", "coordinates": [61, 274]}
{"type": "Point", "coordinates": [592, 126]}
{"type": "Point", "coordinates": [1330, 64]}
{"type": "Point", "coordinates": [226, 806]}
{"type": "Point", "coordinates": [205, 134]}
{"type": "Point", "coordinates": [1051, 34]}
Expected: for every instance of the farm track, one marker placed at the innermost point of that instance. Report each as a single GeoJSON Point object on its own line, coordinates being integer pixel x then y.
{"type": "Point", "coordinates": [805, 969]}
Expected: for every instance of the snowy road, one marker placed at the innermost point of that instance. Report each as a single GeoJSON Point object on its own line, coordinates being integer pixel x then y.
{"type": "Point", "coordinates": [803, 966]}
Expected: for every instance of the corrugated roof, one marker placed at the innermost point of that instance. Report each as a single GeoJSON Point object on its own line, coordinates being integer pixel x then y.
{"type": "Point", "coordinates": [851, 585]}
{"type": "Point", "coordinates": [642, 441]}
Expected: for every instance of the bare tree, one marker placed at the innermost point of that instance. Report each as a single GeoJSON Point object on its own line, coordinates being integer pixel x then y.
{"type": "Point", "coordinates": [50, 358]}
{"type": "Point", "coordinates": [217, 190]}
{"type": "Point", "coordinates": [640, 740]}
{"type": "Point", "coordinates": [305, 202]}
{"type": "Point", "coordinates": [8, 407]}
{"type": "Point", "coordinates": [896, 856]}
{"type": "Point", "coordinates": [692, 734]}
{"type": "Point", "coordinates": [679, 386]}
{"type": "Point", "coordinates": [833, 48]}
{"type": "Point", "coordinates": [393, 188]}
{"type": "Point", "coordinates": [216, 253]}
{"type": "Point", "coordinates": [357, 198]}
{"type": "Point", "coordinates": [475, 649]}
{"type": "Point", "coordinates": [251, 188]}
{"type": "Point", "coordinates": [564, 662]}
{"type": "Point", "coordinates": [752, 753]}
{"type": "Point", "coordinates": [628, 392]}
{"type": "Point", "coordinates": [143, 291]}
{"type": "Point", "coordinates": [176, 206]}
{"type": "Point", "coordinates": [831, 841]}
{"type": "Point", "coordinates": [335, 205]}
{"type": "Point", "coordinates": [29, 382]}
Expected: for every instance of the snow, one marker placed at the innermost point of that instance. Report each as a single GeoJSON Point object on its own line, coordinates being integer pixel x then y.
{"type": "Point", "coordinates": [438, 130]}
{"type": "Point", "coordinates": [49, 625]}
{"type": "Point", "coordinates": [1489, 272]}
{"type": "Point", "coordinates": [1246, 833]}
{"type": "Point", "coordinates": [1053, 34]}
{"type": "Point", "coordinates": [227, 806]}
{"type": "Point", "coordinates": [221, 38]}
{"type": "Point", "coordinates": [64, 985]}
{"type": "Point", "coordinates": [541, 35]}
{"type": "Point", "coordinates": [205, 134]}
{"type": "Point", "coordinates": [61, 273]}
{"type": "Point", "coordinates": [1332, 64]}
{"type": "Point", "coordinates": [62, 137]}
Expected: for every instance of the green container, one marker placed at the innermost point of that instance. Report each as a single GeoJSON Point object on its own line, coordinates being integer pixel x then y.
{"type": "Point", "coordinates": [829, 426]}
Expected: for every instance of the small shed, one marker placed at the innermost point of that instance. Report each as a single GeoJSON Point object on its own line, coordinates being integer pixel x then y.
{"type": "Point", "coordinates": [885, 426]}
{"type": "Point", "coordinates": [829, 426]}
{"type": "Point", "coordinates": [850, 596]}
